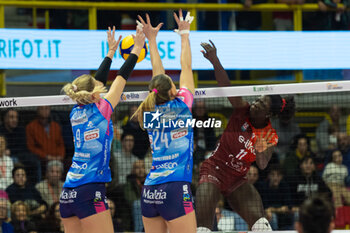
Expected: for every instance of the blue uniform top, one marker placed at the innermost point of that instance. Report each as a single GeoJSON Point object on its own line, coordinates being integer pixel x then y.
{"type": "Point", "coordinates": [93, 133]}
{"type": "Point", "coordinates": [171, 137]}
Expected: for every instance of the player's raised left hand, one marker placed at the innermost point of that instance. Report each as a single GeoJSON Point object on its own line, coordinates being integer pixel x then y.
{"type": "Point", "coordinates": [264, 142]}
{"type": "Point", "coordinates": [112, 43]}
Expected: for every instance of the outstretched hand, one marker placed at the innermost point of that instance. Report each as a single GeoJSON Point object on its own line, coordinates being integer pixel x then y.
{"type": "Point", "coordinates": [264, 143]}
{"type": "Point", "coordinates": [147, 28]}
{"type": "Point", "coordinates": [209, 51]}
{"type": "Point", "coordinates": [139, 39]}
{"type": "Point", "coordinates": [112, 43]}
{"type": "Point", "coordinates": [183, 24]}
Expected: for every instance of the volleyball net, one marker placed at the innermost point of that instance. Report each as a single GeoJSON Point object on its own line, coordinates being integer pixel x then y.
{"type": "Point", "coordinates": [39, 138]}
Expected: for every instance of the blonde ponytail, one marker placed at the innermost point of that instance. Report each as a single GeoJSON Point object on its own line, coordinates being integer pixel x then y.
{"type": "Point", "coordinates": [82, 89]}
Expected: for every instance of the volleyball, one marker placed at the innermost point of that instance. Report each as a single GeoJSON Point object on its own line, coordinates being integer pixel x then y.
{"type": "Point", "coordinates": [127, 44]}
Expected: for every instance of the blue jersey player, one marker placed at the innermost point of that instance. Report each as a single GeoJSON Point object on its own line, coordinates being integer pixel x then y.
{"type": "Point", "coordinates": [166, 199]}
{"type": "Point", "coordinates": [83, 204]}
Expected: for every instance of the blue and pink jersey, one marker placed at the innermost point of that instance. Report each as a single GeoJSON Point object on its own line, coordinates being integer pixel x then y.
{"type": "Point", "coordinates": [93, 133]}
{"type": "Point", "coordinates": [171, 141]}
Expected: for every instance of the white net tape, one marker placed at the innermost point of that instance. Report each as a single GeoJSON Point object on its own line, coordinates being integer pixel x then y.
{"type": "Point", "coordinates": [295, 88]}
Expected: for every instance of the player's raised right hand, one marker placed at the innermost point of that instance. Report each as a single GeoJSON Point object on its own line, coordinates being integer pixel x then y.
{"type": "Point", "coordinates": [209, 51]}
{"type": "Point", "coordinates": [147, 28]}
{"type": "Point", "coordinates": [139, 40]}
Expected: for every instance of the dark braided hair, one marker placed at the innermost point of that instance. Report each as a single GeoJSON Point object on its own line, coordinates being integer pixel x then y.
{"type": "Point", "coordinates": [282, 106]}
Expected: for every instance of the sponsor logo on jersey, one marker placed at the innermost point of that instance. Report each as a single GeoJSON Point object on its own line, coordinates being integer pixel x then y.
{"type": "Point", "coordinates": [180, 92]}
{"type": "Point", "coordinates": [245, 126]}
{"type": "Point", "coordinates": [248, 144]}
{"type": "Point", "coordinates": [72, 194]}
{"type": "Point", "coordinates": [166, 173]}
{"type": "Point", "coordinates": [181, 98]}
{"type": "Point", "coordinates": [154, 195]}
{"type": "Point", "coordinates": [98, 196]}
{"type": "Point", "coordinates": [253, 135]}
{"type": "Point", "coordinates": [105, 154]}
{"type": "Point", "coordinates": [78, 119]}
{"type": "Point", "coordinates": [166, 157]}
{"type": "Point", "coordinates": [167, 165]}
{"type": "Point", "coordinates": [178, 133]}
{"type": "Point", "coordinates": [186, 195]}
{"type": "Point", "coordinates": [92, 145]}
{"type": "Point", "coordinates": [74, 175]}
{"type": "Point", "coordinates": [82, 155]}
{"type": "Point", "coordinates": [90, 125]}
{"type": "Point", "coordinates": [91, 135]}
{"type": "Point", "coordinates": [238, 166]}
{"type": "Point", "coordinates": [77, 166]}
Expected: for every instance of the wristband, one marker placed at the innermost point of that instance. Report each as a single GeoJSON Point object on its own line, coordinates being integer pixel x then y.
{"type": "Point", "coordinates": [181, 32]}
{"type": "Point", "coordinates": [128, 66]}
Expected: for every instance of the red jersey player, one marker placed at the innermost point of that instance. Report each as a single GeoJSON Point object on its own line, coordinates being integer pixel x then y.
{"type": "Point", "coordinates": [248, 137]}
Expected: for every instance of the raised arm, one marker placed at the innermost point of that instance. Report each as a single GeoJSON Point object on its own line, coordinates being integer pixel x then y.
{"type": "Point", "coordinates": [221, 76]}
{"type": "Point", "coordinates": [186, 75]}
{"type": "Point", "coordinates": [102, 72]}
{"type": "Point", "coordinates": [117, 87]}
{"type": "Point", "coordinates": [151, 34]}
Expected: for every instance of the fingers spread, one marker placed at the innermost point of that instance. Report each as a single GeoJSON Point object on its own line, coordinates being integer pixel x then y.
{"type": "Point", "coordinates": [159, 26]}
{"type": "Point", "coordinates": [189, 18]}
{"type": "Point", "coordinates": [176, 18]}
{"type": "Point", "coordinates": [141, 20]}
{"type": "Point", "coordinates": [270, 137]}
{"type": "Point", "coordinates": [211, 42]}
{"type": "Point", "coordinates": [139, 33]}
{"type": "Point", "coordinates": [119, 39]}
{"type": "Point", "coordinates": [181, 15]}
{"type": "Point", "coordinates": [139, 25]}
{"type": "Point", "coordinates": [148, 19]}
{"type": "Point", "coordinates": [206, 46]}
{"type": "Point", "coordinates": [113, 32]}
